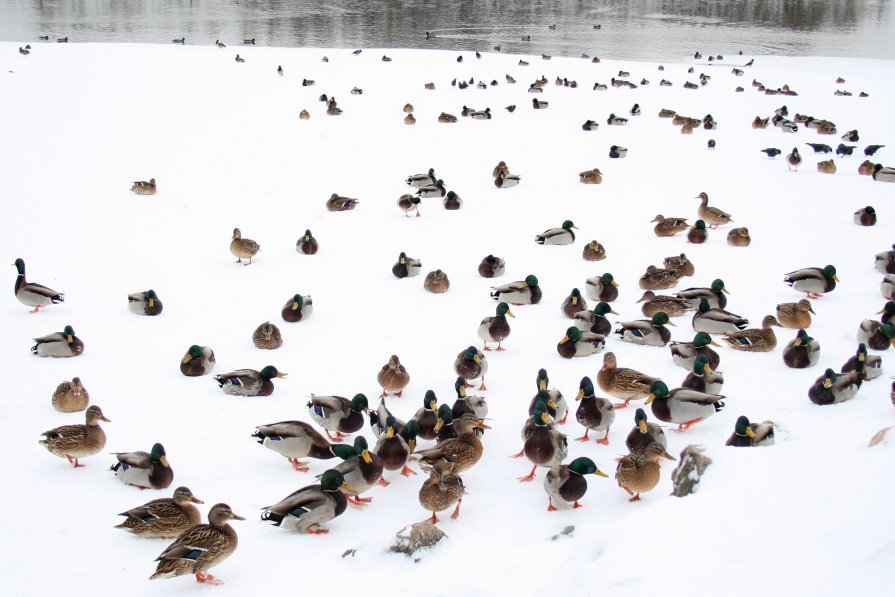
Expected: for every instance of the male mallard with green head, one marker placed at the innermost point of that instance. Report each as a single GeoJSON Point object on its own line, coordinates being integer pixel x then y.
{"type": "Point", "coordinates": [801, 352]}
{"type": "Point", "coordinates": [393, 449]}
{"type": "Point", "coordinates": [643, 434]}
{"type": "Point", "coordinates": [165, 518]}
{"type": "Point", "coordinates": [338, 414]}
{"type": "Point", "coordinates": [59, 345]}
{"type": "Point", "coordinates": [298, 308]}
{"type": "Point", "coordinates": [361, 469]}
{"type": "Point", "coordinates": [491, 267]}
{"type": "Point", "coordinates": [471, 364]}
{"type": "Point", "coordinates": [34, 295]}
{"type": "Point", "coordinates": [144, 303]}
{"type": "Point", "coordinates": [525, 292]}
{"type": "Point", "coordinates": [713, 294]}
{"type": "Point", "coordinates": [573, 304]}
{"type": "Point", "coordinates": [594, 413]}
{"type": "Point", "coordinates": [545, 446]}
{"type": "Point", "coordinates": [311, 506]}
{"type": "Point", "coordinates": [248, 382]}
{"type": "Point", "coordinates": [746, 434]}
{"type": "Point", "coordinates": [813, 281]}
{"type": "Point", "coordinates": [579, 344]}
{"type": "Point", "coordinates": [558, 236]}
{"type": "Point", "coordinates": [294, 440]}
{"type": "Point", "coordinates": [703, 378]}
{"type": "Point", "coordinates": [566, 483]}
{"type": "Point", "coordinates": [869, 366]}
{"type": "Point", "coordinates": [601, 288]}
{"type": "Point", "coordinates": [421, 180]}
{"type": "Point", "coordinates": [833, 388]}
{"type": "Point", "coordinates": [144, 469]}
{"type": "Point", "coordinates": [650, 332]}
{"type": "Point", "coordinates": [408, 203]}
{"type": "Point", "coordinates": [77, 441]}
{"type": "Point", "coordinates": [683, 406]}
{"type": "Point", "coordinates": [197, 361]}
{"type": "Point", "coordinates": [684, 354]}
{"type": "Point", "coordinates": [307, 244]}
{"type": "Point", "coordinates": [876, 335]}
{"type": "Point", "coordinates": [496, 328]}
{"type": "Point", "coordinates": [713, 320]}
{"type": "Point", "coordinates": [465, 403]}
{"type": "Point", "coordinates": [406, 267]}
{"type": "Point", "coordinates": [427, 416]}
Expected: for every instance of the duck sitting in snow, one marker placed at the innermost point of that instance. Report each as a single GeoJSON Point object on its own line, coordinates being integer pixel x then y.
{"type": "Point", "coordinates": [248, 382]}
{"type": "Point", "coordinates": [651, 332]}
{"type": "Point", "coordinates": [717, 321]}
{"type": "Point", "coordinates": [558, 236]}
{"type": "Point", "coordinates": [406, 267]}
{"type": "Point", "coordinates": [746, 434]}
{"type": "Point", "coordinates": [755, 340]}
{"type": "Point", "coordinates": [580, 344]}
{"type": "Point", "coordinates": [59, 345]}
{"type": "Point", "coordinates": [421, 180]}
{"type": "Point", "coordinates": [144, 187]}
{"type": "Point", "coordinates": [703, 378]}
{"type": "Point", "coordinates": [339, 203]}
{"type": "Point", "coordinates": [595, 321]}
{"type": "Point", "coordinates": [591, 176]}
{"type": "Point", "coordinates": [144, 469]}
{"type": "Point", "coordinates": [525, 292]}
{"type": "Point", "coordinates": [870, 367]}
{"type": "Point", "coordinates": [656, 278]}
{"type": "Point", "coordinates": [616, 120]}
{"type": "Point", "coordinates": [801, 352]}
{"type": "Point", "coordinates": [714, 294]}
{"type": "Point", "coordinates": [670, 305]}
{"type": "Point", "coordinates": [832, 388]}
{"type": "Point", "coordinates": [616, 152]}
{"type": "Point", "coordinates": [684, 354]}
{"type": "Point", "coordinates": [491, 267]}
{"type": "Point", "coordinates": [433, 190]}
{"type": "Point", "coordinates": [506, 180]}
{"type": "Point", "coordinates": [876, 335]}
{"type": "Point", "coordinates": [297, 308]}
{"type": "Point", "coordinates": [795, 315]}
{"type": "Point", "coordinates": [144, 303]}
{"type": "Point", "coordinates": [601, 288]}
{"type": "Point", "coordinates": [197, 361]}
{"type": "Point", "coordinates": [669, 226]}
{"type": "Point", "coordinates": [459, 453]}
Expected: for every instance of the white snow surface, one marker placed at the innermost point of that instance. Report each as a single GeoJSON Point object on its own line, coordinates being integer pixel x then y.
{"type": "Point", "coordinates": [80, 122]}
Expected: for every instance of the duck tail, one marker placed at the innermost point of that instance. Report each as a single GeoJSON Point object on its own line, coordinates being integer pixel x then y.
{"type": "Point", "coordinates": [275, 519]}
{"type": "Point", "coordinates": [718, 406]}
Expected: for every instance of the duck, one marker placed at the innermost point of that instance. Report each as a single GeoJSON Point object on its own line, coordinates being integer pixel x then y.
{"type": "Point", "coordinates": [885, 262]}
{"type": "Point", "coordinates": [339, 203]}
{"type": "Point", "coordinates": [793, 159]}
{"type": "Point", "coordinates": [594, 413]}
{"type": "Point", "coordinates": [755, 340]}
{"type": "Point", "coordinates": [24, 51]}
{"type": "Point", "coordinates": [643, 434]}
{"type": "Point", "coordinates": [821, 148]}
{"type": "Point", "coordinates": [492, 267]}
{"type": "Point", "coordinates": [595, 321]}
{"type": "Point", "coordinates": [243, 248]}
{"type": "Point", "coordinates": [461, 452]}
{"type": "Point", "coordinates": [590, 125]}
{"type": "Point", "coordinates": [712, 216]}
{"type": "Point", "coordinates": [298, 308]}
{"type": "Point", "coordinates": [866, 216]}
{"type": "Point", "coordinates": [580, 344]}
{"type": "Point", "coordinates": [760, 123]}
{"type": "Point", "coordinates": [801, 352]}
{"type": "Point", "coordinates": [601, 288]}
{"type": "Point", "coordinates": [624, 384]}
{"type": "Point", "coordinates": [684, 354]}
{"type": "Point", "coordinates": [409, 203]}
{"type": "Point", "coordinates": [379, 417]}
{"type": "Point", "coordinates": [446, 118]}
{"type": "Point", "coordinates": [717, 321]}
{"type": "Point", "coordinates": [635, 110]}
{"type": "Point", "coordinates": [393, 449]}
{"type": "Point", "coordinates": [444, 424]}
{"type": "Point", "coordinates": [338, 414]}
{"type": "Point", "coordinates": [471, 364]}
{"type": "Point", "coordinates": [34, 295]}
{"type": "Point", "coordinates": [500, 168]}
{"type": "Point", "coordinates": [427, 416]}
{"type": "Point", "coordinates": [555, 403]}
{"type": "Point", "coordinates": [538, 104]}
{"type": "Point", "coordinates": [144, 187]}
{"type": "Point", "coordinates": [422, 180]}
{"type": "Point", "coordinates": [656, 278]}
{"type": "Point", "coordinates": [361, 469]}
{"type": "Point", "coordinates": [524, 292]}
{"type": "Point", "coordinates": [683, 406]}
{"type": "Point", "coordinates": [70, 396]}
{"type": "Point", "coordinates": [650, 332]}
{"type": "Point", "coordinates": [739, 237]}
{"type": "Point", "coordinates": [267, 336]}
{"type": "Point", "coordinates": [307, 244]}
{"type": "Point", "coordinates": [393, 377]}
{"type": "Point", "coordinates": [505, 181]}
{"type": "Point", "coordinates": [164, 518]}
{"type": "Point", "coordinates": [703, 378]}
{"type": "Point", "coordinates": [59, 345]}
{"type": "Point", "coordinates": [573, 304]}
{"type": "Point", "coordinates": [465, 403]}
{"type": "Point", "coordinates": [887, 287]}
{"type": "Point", "coordinates": [545, 445]}
{"type": "Point", "coordinates": [876, 335]}
{"type": "Point", "coordinates": [294, 440]}
{"type": "Point", "coordinates": [872, 149]}
{"type": "Point", "coordinates": [248, 382]}
{"type": "Point", "coordinates": [144, 303]}
{"type": "Point", "coordinates": [869, 366]}
{"type": "Point", "coordinates": [593, 251]}
{"type": "Point", "coordinates": [144, 469]}
{"type": "Point", "coordinates": [826, 167]}
{"type": "Point", "coordinates": [813, 281]}
{"type": "Point", "coordinates": [200, 548]}
{"type": "Point", "coordinates": [441, 490]}
{"type": "Point", "coordinates": [496, 328]}
{"type": "Point", "coordinates": [558, 236]}
{"type": "Point", "coordinates": [697, 233]}
{"type": "Point", "coordinates": [639, 473]}
{"type": "Point", "coordinates": [239, 58]}
{"type": "Point", "coordinates": [198, 361]}
{"type": "Point", "coordinates": [747, 435]}
{"type": "Point", "coordinates": [437, 282]}
{"type": "Point", "coordinates": [795, 315]}
{"type": "Point", "coordinates": [219, 44]}
{"type": "Point", "coordinates": [304, 115]}
{"type": "Point", "coordinates": [77, 441]}
{"type": "Point", "coordinates": [566, 484]}
{"type": "Point", "coordinates": [713, 294]}
{"type": "Point", "coordinates": [406, 267]}
{"type": "Point", "coordinates": [669, 226]}
{"type": "Point", "coordinates": [332, 109]}
{"type": "Point", "coordinates": [833, 388]}
{"type": "Point", "coordinates": [771, 152]}
{"type": "Point", "coordinates": [616, 152]}
{"type": "Point", "coordinates": [452, 201]}
{"type": "Point", "coordinates": [591, 176]}
{"type": "Point", "coordinates": [312, 506]}
{"type": "Point", "coordinates": [670, 305]}
{"type": "Point", "coordinates": [433, 190]}
{"type": "Point", "coordinates": [616, 120]}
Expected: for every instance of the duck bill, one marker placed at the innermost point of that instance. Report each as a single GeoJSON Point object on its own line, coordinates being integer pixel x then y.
{"type": "Point", "coordinates": [477, 359]}
{"type": "Point", "coordinates": [196, 500]}
{"type": "Point", "coordinates": [668, 456]}
{"type": "Point", "coordinates": [281, 374]}
{"type": "Point", "coordinates": [235, 516]}
{"type": "Point", "coordinates": [102, 418]}
{"type": "Point", "coordinates": [708, 368]}
{"type": "Point", "coordinates": [347, 488]}
{"type": "Point", "coordinates": [835, 277]}
{"type": "Point", "coordinates": [366, 456]}
{"type": "Point", "coordinates": [580, 394]}
{"type": "Point", "coordinates": [642, 426]}
{"type": "Point", "coordinates": [713, 343]}
{"type": "Point", "coordinates": [750, 433]}
{"type": "Point", "coordinates": [564, 340]}
{"type": "Point", "coordinates": [600, 473]}
{"type": "Point", "coordinates": [650, 398]}
{"type": "Point", "coordinates": [151, 303]}
{"type": "Point", "coordinates": [438, 425]}
{"type": "Point", "coordinates": [671, 323]}
{"type": "Point", "coordinates": [614, 283]}
{"type": "Point", "coordinates": [69, 338]}
{"type": "Point", "coordinates": [187, 359]}
{"type": "Point", "coordinates": [164, 461]}
{"type": "Point", "coordinates": [613, 311]}
{"type": "Point", "coordinates": [481, 425]}
{"type": "Point", "coordinates": [725, 291]}
{"type": "Point", "coordinates": [294, 306]}
{"type": "Point", "coordinates": [510, 313]}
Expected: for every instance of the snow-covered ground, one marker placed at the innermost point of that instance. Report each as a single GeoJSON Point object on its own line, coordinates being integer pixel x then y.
{"type": "Point", "coordinates": [809, 515]}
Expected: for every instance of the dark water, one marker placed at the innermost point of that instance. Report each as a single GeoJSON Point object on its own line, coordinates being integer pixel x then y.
{"type": "Point", "coordinates": [648, 30]}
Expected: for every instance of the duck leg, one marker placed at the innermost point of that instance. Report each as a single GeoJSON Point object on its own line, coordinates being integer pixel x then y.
{"type": "Point", "coordinates": [207, 578]}
{"type": "Point", "coordinates": [577, 505]}
{"type": "Point", "coordinates": [482, 385]}
{"type": "Point", "coordinates": [382, 481]}
{"type": "Point", "coordinates": [357, 500]}
{"type": "Point", "coordinates": [433, 519]}
{"type": "Point", "coordinates": [564, 417]}
{"type": "Point", "coordinates": [499, 349]}
{"type": "Point", "coordinates": [529, 476]}
{"type": "Point", "coordinates": [623, 404]}
{"type": "Point", "coordinates": [605, 440]}
{"type": "Point", "coordinates": [486, 346]}
{"type": "Point", "coordinates": [298, 465]}
{"type": "Point", "coordinates": [636, 498]}
{"type": "Point", "coordinates": [338, 438]}
{"type": "Point", "coordinates": [74, 462]}
{"type": "Point", "coordinates": [407, 471]}
{"type": "Point", "coordinates": [316, 531]}
{"type": "Point", "coordinates": [689, 424]}
{"type": "Point", "coordinates": [35, 310]}
{"type": "Point", "coordinates": [456, 513]}
{"type": "Point", "coordinates": [518, 454]}
{"type": "Point", "coordinates": [583, 438]}
{"type": "Point", "coordinates": [550, 506]}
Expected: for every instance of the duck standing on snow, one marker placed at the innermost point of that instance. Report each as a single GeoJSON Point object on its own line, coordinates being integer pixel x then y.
{"type": "Point", "coordinates": [465, 403]}
{"type": "Point", "coordinates": [795, 315]}
{"type": "Point", "coordinates": [393, 449]}
{"type": "Point", "coordinates": [601, 288]}
{"type": "Point", "coordinates": [866, 216]}
{"type": "Point", "coordinates": [684, 354]}
{"type": "Point", "coordinates": [580, 344]}
{"type": "Point", "coordinates": [712, 216]}
{"type": "Point", "coordinates": [248, 382]}
{"type": "Point", "coordinates": [361, 469]}
{"type": "Point", "coordinates": [459, 453]}
{"type": "Point", "coordinates": [77, 441]}
{"type": "Point", "coordinates": [59, 345]}
{"type": "Point", "coordinates": [471, 364]}
{"type": "Point", "coordinates": [556, 405]}
{"type": "Point", "coordinates": [566, 484]}
{"type": "Point", "coordinates": [144, 469]}
{"type": "Point", "coordinates": [558, 236]}
{"type": "Point", "coordinates": [294, 440]}
{"type": "Point", "coordinates": [243, 248]}
{"type": "Point", "coordinates": [595, 321]}
{"type": "Point", "coordinates": [441, 490]}
{"type": "Point", "coordinates": [622, 383]}
{"type": "Point", "coordinates": [813, 281]}
{"type": "Point", "coordinates": [165, 518]}
{"type": "Point", "coordinates": [34, 295]}
{"type": "Point", "coordinates": [310, 507]}
{"type": "Point", "coordinates": [525, 292]}
{"type": "Point", "coordinates": [755, 340]}
{"type": "Point", "coordinates": [651, 332]}
{"type": "Point", "coordinates": [406, 267]}
{"type": "Point", "coordinates": [594, 413]}
{"type": "Point", "coordinates": [338, 414]}
{"type": "Point", "coordinates": [197, 361]}
{"type": "Point", "coordinates": [143, 187]}
{"type": "Point", "coordinates": [298, 308]}
{"type": "Point", "coordinates": [801, 352]}
{"type": "Point", "coordinates": [638, 473]}
{"type": "Point", "coordinates": [545, 446]}
{"type": "Point", "coordinates": [393, 377]}
{"type": "Point", "coordinates": [144, 303]}
{"type": "Point", "coordinates": [793, 159]}
{"type": "Point", "coordinates": [409, 203]}
{"type": "Point", "coordinates": [427, 416]}
{"type": "Point", "coordinates": [683, 406]}
{"type": "Point", "coordinates": [507, 180]}
{"type": "Point", "coordinates": [643, 434]}
{"type": "Point", "coordinates": [747, 435]}
{"type": "Point", "coordinates": [832, 388]}
{"type": "Point", "coordinates": [496, 328]}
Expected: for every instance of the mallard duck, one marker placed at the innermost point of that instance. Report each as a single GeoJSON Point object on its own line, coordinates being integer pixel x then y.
{"type": "Point", "coordinates": [658, 278]}
{"type": "Point", "coordinates": [866, 216]}
{"type": "Point", "coordinates": [593, 251]}
{"type": "Point", "coordinates": [826, 167]}
{"type": "Point", "coordinates": [433, 190]}
{"type": "Point", "coordinates": [142, 187]}
{"type": "Point", "coordinates": [500, 168]}
{"type": "Point", "coordinates": [505, 181]}
{"type": "Point", "coordinates": [573, 304]}
{"type": "Point", "coordinates": [651, 332]}
{"type": "Point", "coordinates": [421, 180]}
{"type": "Point", "coordinates": [866, 168]}
{"type": "Point", "coordinates": [304, 115]}
{"type": "Point", "coordinates": [684, 354]}
{"type": "Point", "coordinates": [393, 377]}
{"type": "Point", "coordinates": [409, 203]}
{"type": "Point", "coordinates": [294, 440]}
{"type": "Point", "coordinates": [248, 382]}
{"type": "Point", "coordinates": [406, 267]}
{"type": "Point", "coordinates": [601, 288]}
{"type": "Point", "coordinates": [643, 434]}
{"type": "Point", "coordinates": [544, 446]}
{"type": "Point", "coordinates": [883, 173]}
{"type": "Point", "coordinates": [200, 548]}
{"type": "Point", "coordinates": [580, 344]}
{"type": "Point", "coordinates": [165, 518]}
{"type": "Point", "coordinates": [243, 248]}
{"type": "Point", "coordinates": [813, 281]}
{"type": "Point", "coordinates": [624, 384]}
{"type": "Point", "coordinates": [590, 125]}
{"type": "Point", "coordinates": [793, 159]}
{"type": "Point", "coordinates": [739, 237]}
{"type": "Point", "coordinates": [887, 287]}
{"type": "Point", "coordinates": [801, 352]}
{"type": "Point", "coordinates": [393, 449]}
{"type": "Point", "coordinates": [717, 321]}
{"type": "Point", "coordinates": [496, 328]}
{"type": "Point", "coordinates": [446, 118]}
{"type": "Point", "coordinates": [437, 282]}
{"type": "Point", "coordinates": [771, 152]}
{"type": "Point", "coordinates": [680, 264]}
{"type": "Point", "coordinates": [144, 469]}
{"type": "Point", "coordinates": [591, 176]}
{"type": "Point", "coordinates": [60, 345]}
{"type": "Point", "coordinates": [558, 236]}
{"type": "Point", "coordinates": [444, 424]}
{"type": "Point", "coordinates": [697, 234]}
{"type": "Point", "coordinates": [471, 364]}
{"type": "Point", "coordinates": [461, 452]}
{"type": "Point", "coordinates": [869, 366]}
{"type": "Point", "coordinates": [144, 303]}
{"type": "Point", "coordinates": [795, 315]}
{"type": "Point", "coordinates": [712, 216]}
{"type": "Point", "coordinates": [885, 262]}
{"type": "Point", "coordinates": [267, 336]}
{"type": "Point", "coordinates": [338, 414]}
{"type": "Point", "coordinates": [594, 413]}
{"type": "Point", "coordinates": [755, 340]}
{"type": "Point", "coordinates": [441, 490]}
{"type": "Point", "coordinates": [639, 473]}
{"type": "Point", "coordinates": [616, 152]}
{"type": "Point", "coordinates": [616, 120]}
{"type": "Point", "coordinates": [34, 295]}
{"type": "Point", "coordinates": [746, 434]}
{"type": "Point", "coordinates": [669, 226]}
{"type": "Point", "coordinates": [491, 267]}
{"type": "Point", "coordinates": [683, 406]}
{"type": "Point", "coordinates": [670, 305]}
{"type": "Point", "coordinates": [339, 203]}
{"type": "Point", "coordinates": [361, 469]}
{"type": "Point", "coordinates": [427, 416]}
{"type": "Point", "coordinates": [307, 244]}
{"type": "Point", "coordinates": [555, 403]}
{"type": "Point", "coordinates": [379, 417]}
{"type": "Point", "coordinates": [197, 361]}
{"type": "Point", "coordinates": [714, 295]}
{"type": "Point", "coordinates": [71, 396]}
{"type": "Point", "coordinates": [876, 335]}
{"type": "Point", "coordinates": [298, 308]}
{"type": "Point", "coordinates": [311, 506]}
{"type": "Point", "coordinates": [595, 321]}
{"type": "Point", "coordinates": [566, 484]}
{"type": "Point", "coordinates": [464, 403]}
{"type": "Point", "coordinates": [703, 378]}
{"type": "Point", "coordinates": [524, 292]}
{"type": "Point", "coordinates": [832, 388]}
{"type": "Point", "coordinates": [332, 109]}
{"type": "Point", "coordinates": [77, 441]}
{"type": "Point", "coordinates": [760, 123]}
{"type": "Point", "coordinates": [452, 201]}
